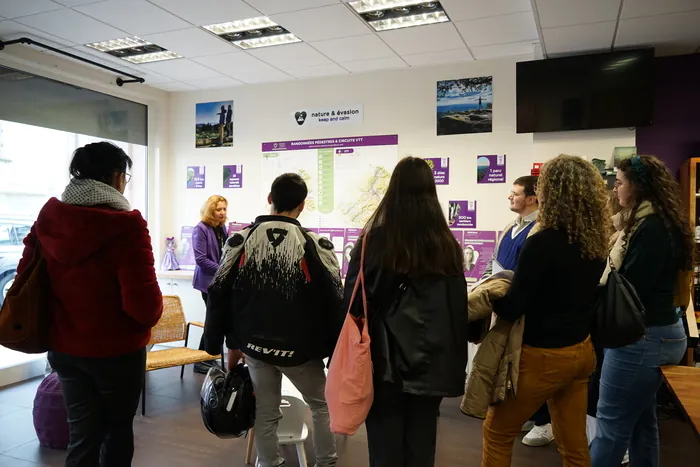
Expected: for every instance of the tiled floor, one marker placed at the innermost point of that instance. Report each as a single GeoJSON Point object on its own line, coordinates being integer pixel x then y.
{"type": "Point", "coordinates": [172, 434]}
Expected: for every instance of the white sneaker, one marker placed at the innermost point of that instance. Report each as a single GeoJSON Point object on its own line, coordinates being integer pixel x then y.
{"type": "Point", "coordinates": [539, 436]}
{"type": "Point", "coordinates": [529, 425]}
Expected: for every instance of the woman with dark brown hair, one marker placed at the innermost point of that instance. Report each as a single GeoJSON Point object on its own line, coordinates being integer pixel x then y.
{"type": "Point", "coordinates": [655, 246]}
{"type": "Point", "coordinates": [416, 294]}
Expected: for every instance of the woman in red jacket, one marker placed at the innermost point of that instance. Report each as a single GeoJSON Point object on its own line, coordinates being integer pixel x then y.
{"type": "Point", "coordinates": [104, 301]}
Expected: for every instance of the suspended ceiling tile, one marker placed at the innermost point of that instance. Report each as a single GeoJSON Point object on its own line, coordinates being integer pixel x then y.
{"type": "Point", "coordinates": [350, 49]}
{"type": "Point", "coordinates": [320, 24]}
{"type": "Point", "coordinates": [206, 12]}
{"type": "Point", "coordinates": [72, 3]}
{"type": "Point", "coordinates": [137, 17]}
{"type": "Point", "coordinates": [516, 27]}
{"type": "Point", "coordinates": [214, 83]}
{"type": "Point", "coordinates": [299, 54]}
{"type": "Point", "coordinates": [272, 7]}
{"type": "Point", "coordinates": [243, 67]}
{"type": "Point", "coordinates": [192, 42]}
{"type": "Point", "coordinates": [16, 8]}
{"type": "Point", "coordinates": [579, 38]}
{"type": "Point", "coordinates": [558, 13]}
{"type": "Point", "coordinates": [503, 50]}
{"type": "Point", "coordinates": [423, 39]}
{"type": "Point", "coordinates": [181, 69]}
{"type": "Point", "coordinates": [374, 65]}
{"type": "Point", "coordinates": [462, 10]}
{"type": "Point", "coordinates": [316, 71]}
{"type": "Point", "coordinates": [639, 8]}
{"type": "Point", "coordinates": [73, 26]}
{"type": "Point", "coordinates": [438, 58]}
{"type": "Point", "coordinates": [174, 86]}
{"type": "Point", "coordinates": [676, 28]}
{"type": "Point", "coordinates": [13, 30]}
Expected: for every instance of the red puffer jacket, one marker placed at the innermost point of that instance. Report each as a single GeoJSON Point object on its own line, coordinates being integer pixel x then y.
{"type": "Point", "coordinates": [104, 295]}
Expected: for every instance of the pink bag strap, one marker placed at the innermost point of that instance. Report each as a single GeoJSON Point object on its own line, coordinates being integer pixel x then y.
{"type": "Point", "coordinates": [360, 282]}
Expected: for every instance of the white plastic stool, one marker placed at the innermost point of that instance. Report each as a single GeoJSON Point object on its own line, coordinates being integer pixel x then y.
{"type": "Point", "coordinates": [292, 429]}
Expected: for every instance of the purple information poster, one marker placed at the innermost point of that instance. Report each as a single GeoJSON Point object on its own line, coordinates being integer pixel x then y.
{"type": "Point", "coordinates": [235, 227]}
{"type": "Point", "coordinates": [196, 177]}
{"type": "Point", "coordinates": [233, 176]}
{"type": "Point", "coordinates": [491, 169]}
{"type": "Point", "coordinates": [478, 247]}
{"type": "Point", "coordinates": [462, 214]}
{"type": "Point", "coordinates": [186, 250]}
{"type": "Point", "coordinates": [351, 236]}
{"type": "Point", "coordinates": [441, 169]}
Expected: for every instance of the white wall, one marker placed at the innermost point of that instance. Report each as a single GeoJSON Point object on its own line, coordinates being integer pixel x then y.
{"type": "Point", "coordinates": [395, 102]}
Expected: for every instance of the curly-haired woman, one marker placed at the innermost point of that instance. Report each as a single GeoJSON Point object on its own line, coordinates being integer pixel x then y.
{"type": "Point", "coordinates": [655, 245]}
{"type": "Point", "coordinates": [554, 289]}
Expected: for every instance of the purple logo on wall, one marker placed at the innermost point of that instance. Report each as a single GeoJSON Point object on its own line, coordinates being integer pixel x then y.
{"type": "Point", "coordinates": [441, 169]}
{"type": "Point", "coordinates": [196, 177]}
{"type": "Point", "coordinates": [233, 176]}
{"type": "Point", "coordinates": [462, 214]}
{"type": "Point", "coordinates": [478, 247]}
{"type": "Point", "coordinates": [491, 169]}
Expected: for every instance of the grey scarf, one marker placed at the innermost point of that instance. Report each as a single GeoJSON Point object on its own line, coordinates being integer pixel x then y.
{"type": "Point", "coordinates": [88, 192]}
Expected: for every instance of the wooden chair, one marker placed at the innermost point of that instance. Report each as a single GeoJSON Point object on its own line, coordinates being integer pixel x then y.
{"type": "Point", "coordinates": [172, 327]}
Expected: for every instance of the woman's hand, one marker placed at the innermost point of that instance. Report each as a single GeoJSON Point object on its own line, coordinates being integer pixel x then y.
{"type": "Point", "coordinates": [234, 356]}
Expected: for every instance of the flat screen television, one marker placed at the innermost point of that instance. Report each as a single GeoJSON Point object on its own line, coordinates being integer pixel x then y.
{"type": "Point", "coordinates": [585, 92]}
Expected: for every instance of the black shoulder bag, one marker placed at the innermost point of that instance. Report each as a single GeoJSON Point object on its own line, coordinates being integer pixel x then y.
{"type": "Point", "coordinates": [619, 313]}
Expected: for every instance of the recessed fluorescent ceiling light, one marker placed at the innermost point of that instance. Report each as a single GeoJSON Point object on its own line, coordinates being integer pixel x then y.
{"type": "Point", "coordinates": [384, 15]}
{"type": "Point", "coordinates": [134, 50]}
{"type": "Point", "coordinates": [253, 33]}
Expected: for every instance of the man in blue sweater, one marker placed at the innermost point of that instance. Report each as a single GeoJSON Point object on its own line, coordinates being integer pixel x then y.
{"type": "Point", "coordinates": [523, 202]}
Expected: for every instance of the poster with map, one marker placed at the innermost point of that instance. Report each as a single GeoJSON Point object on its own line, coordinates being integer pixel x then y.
{"type": "Point", "coordinates": [346, 177]}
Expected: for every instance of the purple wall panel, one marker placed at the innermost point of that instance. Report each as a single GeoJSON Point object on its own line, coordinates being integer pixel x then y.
{"type": "Point", "coordinates": [674, 135]}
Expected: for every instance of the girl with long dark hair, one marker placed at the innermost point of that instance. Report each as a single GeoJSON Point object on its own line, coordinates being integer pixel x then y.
{"type": "Point", "coordinates": [654, 248]}
{"type": "Point", "coordinates": [416, 292]}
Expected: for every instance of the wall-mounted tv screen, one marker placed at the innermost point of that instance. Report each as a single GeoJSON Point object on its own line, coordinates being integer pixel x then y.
{"type": "Point", "coordinates": [585, 92]}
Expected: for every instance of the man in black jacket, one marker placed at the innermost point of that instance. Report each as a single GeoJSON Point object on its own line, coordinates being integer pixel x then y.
{"type": "Point", "coordinates": [277, 297]}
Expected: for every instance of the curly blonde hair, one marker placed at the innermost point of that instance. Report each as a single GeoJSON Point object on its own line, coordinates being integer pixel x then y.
{"type": "Point", "coordinates": [208, 209]}
{"type": "Point", "coordinates": [573, 198]}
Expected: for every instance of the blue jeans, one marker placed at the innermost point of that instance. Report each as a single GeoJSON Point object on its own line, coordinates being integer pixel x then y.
{"type": "Point", "coordinates": [630, 379]}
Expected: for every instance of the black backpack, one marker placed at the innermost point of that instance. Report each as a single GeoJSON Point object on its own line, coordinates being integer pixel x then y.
{"type": "Point", "coordinates": [228, 402]}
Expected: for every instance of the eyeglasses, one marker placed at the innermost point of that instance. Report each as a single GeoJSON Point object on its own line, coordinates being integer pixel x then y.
{"type": "Point", "coordinates": [127, 177]}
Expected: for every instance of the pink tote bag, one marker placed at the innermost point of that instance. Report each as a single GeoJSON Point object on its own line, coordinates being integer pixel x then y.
{"type": "Point", "coordinates": [349, 388]}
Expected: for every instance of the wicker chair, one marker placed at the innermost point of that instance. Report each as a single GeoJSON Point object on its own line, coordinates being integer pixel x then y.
{"type": "Point", "coordinates": [172, 327]}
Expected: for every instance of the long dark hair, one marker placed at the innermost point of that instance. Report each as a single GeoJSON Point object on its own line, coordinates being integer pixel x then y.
{"type": "Point", "coordinates": [653, 182]}
{"type": "Point", "coordinates": [408, 233]}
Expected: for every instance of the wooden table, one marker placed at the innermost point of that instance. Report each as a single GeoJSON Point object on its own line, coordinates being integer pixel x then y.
{"type": "Point", "coordinates": [684, 383]}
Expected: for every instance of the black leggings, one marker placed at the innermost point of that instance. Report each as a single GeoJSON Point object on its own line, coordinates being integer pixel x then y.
{"type": "Point", "coordinates": [101, 397]}
{"type": "Point", "coordinates": [402, 428]}
{"type": "Point", "coordinates": [203, 341]}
